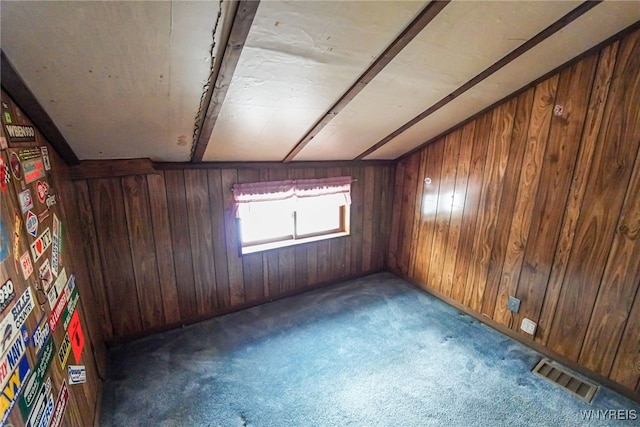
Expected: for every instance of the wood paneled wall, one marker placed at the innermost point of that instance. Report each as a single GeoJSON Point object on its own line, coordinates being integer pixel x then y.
{"type": "Point", "coordinates": [84, 399]}
{"type": "Point", "coordinates": [541, 204]}
{"type": "Point", "coordinates": [163, 248]}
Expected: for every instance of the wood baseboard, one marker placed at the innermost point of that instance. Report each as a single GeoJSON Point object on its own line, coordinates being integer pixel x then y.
{"type": "Point", "coordinates": [631, 394]}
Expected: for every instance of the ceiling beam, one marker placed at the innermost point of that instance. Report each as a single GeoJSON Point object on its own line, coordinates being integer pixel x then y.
{"type": "Point", "coordinates": [409, 33]}
{"type": "Point", "coordinates": [17, 89]}
{"type": "Point", "coordinates": [242, 20]}
{"type": "Point", "coordinates": [511, 56]}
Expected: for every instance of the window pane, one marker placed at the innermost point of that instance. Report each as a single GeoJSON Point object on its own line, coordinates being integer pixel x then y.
{"type": "Point", "coordinates": [312, 218]}
{"type": "Point", "coordinates": [266, 221]}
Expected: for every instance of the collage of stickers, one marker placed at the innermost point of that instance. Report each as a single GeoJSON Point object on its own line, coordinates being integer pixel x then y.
{"type": "Point", "coordinates": [39, 319]}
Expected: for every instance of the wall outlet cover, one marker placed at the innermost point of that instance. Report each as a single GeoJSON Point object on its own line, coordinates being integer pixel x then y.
{"type": "Point", "coordinates": [513, 304]}
{"type": "Point", "coordinates": [529, 326]}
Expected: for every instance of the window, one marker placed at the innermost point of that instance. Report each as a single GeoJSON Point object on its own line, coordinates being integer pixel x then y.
{"type": "Point", "coordinates": [283, 213]}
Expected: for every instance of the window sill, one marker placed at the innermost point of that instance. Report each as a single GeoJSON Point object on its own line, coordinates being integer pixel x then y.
{"type": "Point", "coordinates": [286, 243]}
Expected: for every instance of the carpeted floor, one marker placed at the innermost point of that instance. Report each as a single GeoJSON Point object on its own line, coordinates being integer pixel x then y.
{"type": "Point", "coordinates": [370, 352]}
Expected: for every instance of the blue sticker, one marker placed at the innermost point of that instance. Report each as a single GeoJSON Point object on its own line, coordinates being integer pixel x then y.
{"type": "Point", "coordinates": [4, 243]}
{"type": "Point", "coordinates": [25, 334]}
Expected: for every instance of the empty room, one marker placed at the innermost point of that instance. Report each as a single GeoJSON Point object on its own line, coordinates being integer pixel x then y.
{"type": "Point", "coordinates": [320, 213]}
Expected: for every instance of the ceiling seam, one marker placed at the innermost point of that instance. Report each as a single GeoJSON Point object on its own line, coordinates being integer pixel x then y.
{"type": "Point", "coordinates": [206, 89]}
{"type": "Point", "coordinates": [406, 36]}
{"type": "Point", "coordinates": [242, 20]}
{"type": "Point", "coordinates": [508, 58]}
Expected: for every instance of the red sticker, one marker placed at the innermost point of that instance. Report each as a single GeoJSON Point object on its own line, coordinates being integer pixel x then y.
{"type": "Point", "coordinates": [27, 266]}
{"type": "Point", "coordinates": [76, 336]}
{"type": "Point", "coordinates": [4, 176]}
{"type": "Point", "coordinates": [42, 189]}
{"type": "Point", "coordinates": [16, 166]}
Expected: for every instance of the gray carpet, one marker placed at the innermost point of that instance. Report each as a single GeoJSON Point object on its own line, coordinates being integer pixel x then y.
{"type": "Point", "coordinates": [369, 352]}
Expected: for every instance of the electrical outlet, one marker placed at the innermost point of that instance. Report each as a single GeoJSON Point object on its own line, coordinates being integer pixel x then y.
{"type": "Point", "coordinates": [513, 304]}
{"type": "Point", "coordinates": [529, 326]}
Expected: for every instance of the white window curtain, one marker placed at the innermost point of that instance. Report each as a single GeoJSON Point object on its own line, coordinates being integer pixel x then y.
{"type": "Point", "coordinates": [334, 191]}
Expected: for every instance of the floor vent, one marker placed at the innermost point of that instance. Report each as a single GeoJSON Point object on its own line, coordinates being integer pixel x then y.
{"type": "Point", "coordinates": [580, 388]}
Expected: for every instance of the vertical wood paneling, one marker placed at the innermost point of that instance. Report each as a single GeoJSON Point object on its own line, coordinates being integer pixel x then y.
{"type": "Point", "coordinates": [358, 210]}
{"type": "Point", "coordinates": [338, 248]}
{"type": "Point", "coordinates": [394, 237]}
{"type": "Point", "coordinates": [92, 254]}
{"type": "Point", "coordinates": [432, 161]}
{"type": "Point", "coordinates": [550, 213]}
{"type": "Point", "coordinates": [381, 219]}
{"type": "Point", "coordinates": [621, 275]}
{"type": "Point", "coordinates": [497, 158]}
{"type": "Point", "coordinates": [180, 241]}
{"type": "Point", "coordinates": [608, 179]}
{"type": "Point", "coordinates": [573, 92]}
{"type": "Point", "coordinates": [200, 235]}
{"type": "Point", "coordinates": [141, 241]}
{"type": "Point", "coordinates": [216, 207]}
{"type": "Point", "coordinates": [387, 209]}
{"type": "Point", "coordinates": [482, 127]}
{"type": "Point", "coordinates": [623, 267]}
{"type": "Point", "coordinates": [457, 208]}
{"type": "Point", "coordinates": [595, 114]}
{"type": "Point", "coordinates": [163, 247]}
{"type": "Point", "coordinates": [115, 253]}
{"type": "Point", "coordinates": [507, 203]}
{"type": "Point", "coordinates": [417, 216]}
{"type": "Point", "coordinates": [368, 222]}
{"type": "Point", "coordinates": [234, 261]}
{"type": "Point", "coordinates": [429, 210]}
{"type": "Point", "coordinates": [407, 211]}
{"type": "Point", "coordinates": [626, 366]}
{"type": "Point", "coordinates": [88, 307]}
{"type": "Point", "coordinates": [448, 167]}
{"type": "Point", "coordinates": [530, 171]}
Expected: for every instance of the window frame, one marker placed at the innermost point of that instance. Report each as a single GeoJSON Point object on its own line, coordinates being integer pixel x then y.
{"type": "Point", "coordinates": [295, 239]}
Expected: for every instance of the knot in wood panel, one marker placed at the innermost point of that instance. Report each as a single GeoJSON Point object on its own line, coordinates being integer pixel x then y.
{"type": "Point", "coordinates": [630, 231]}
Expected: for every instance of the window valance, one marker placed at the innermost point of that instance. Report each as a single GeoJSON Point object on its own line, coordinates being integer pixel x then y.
{"type": "Point", "coordinates": [335, 191]}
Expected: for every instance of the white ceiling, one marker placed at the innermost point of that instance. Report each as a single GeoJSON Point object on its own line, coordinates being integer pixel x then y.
{"type": "Point", "coordinates": [124, 79]}
{"type": "Point", "coordinates": [120, 79]}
